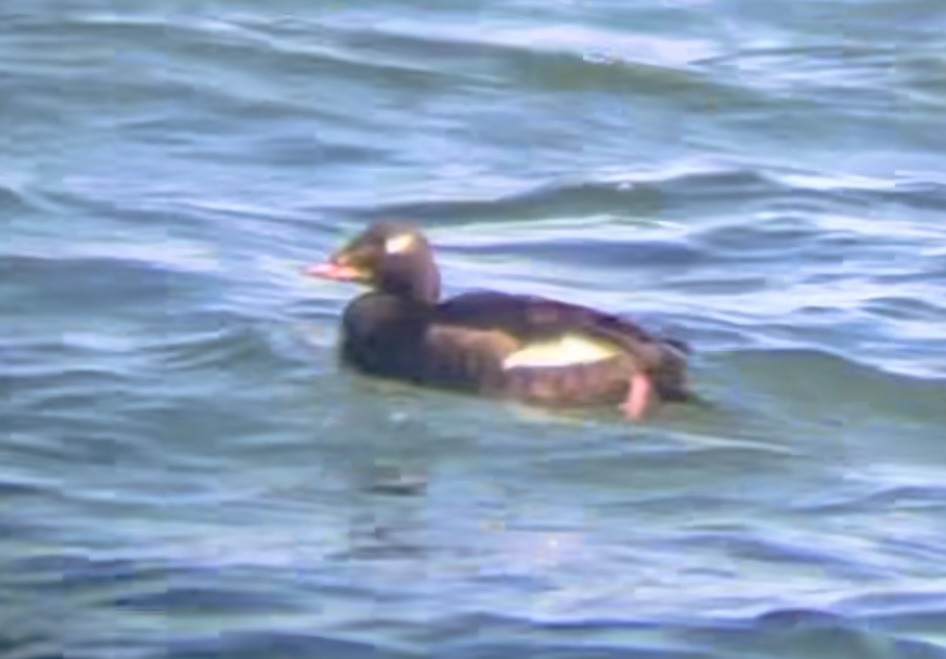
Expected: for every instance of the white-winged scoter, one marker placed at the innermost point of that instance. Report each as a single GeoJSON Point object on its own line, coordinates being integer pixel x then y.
{"type": "Point", "coordinates": [522, 347]}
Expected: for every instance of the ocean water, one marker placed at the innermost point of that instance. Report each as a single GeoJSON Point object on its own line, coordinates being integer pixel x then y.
{"type": "Point", "coordinates": [186, 471]}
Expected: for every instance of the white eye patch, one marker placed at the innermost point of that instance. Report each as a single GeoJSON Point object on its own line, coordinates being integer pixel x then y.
{"type": "Point", "coordinates": [399, 243]}
{"type": "Point", "coordinates": [565, 351]}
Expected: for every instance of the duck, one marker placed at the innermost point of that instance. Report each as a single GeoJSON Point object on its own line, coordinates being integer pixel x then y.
{"type": "Point", "coordinates": [528, 348]}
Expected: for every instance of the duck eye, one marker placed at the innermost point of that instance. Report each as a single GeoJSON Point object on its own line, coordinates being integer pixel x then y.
{"type": "Point", "coordinates": [399, 243]}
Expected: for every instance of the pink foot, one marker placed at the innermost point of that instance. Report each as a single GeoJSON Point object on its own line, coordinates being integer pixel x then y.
{"type": "Point", "coordinates": [639, 397]}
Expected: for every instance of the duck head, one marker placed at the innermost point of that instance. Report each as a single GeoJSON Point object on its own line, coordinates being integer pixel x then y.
{"type": "Point", "coordinates": [389, 257]}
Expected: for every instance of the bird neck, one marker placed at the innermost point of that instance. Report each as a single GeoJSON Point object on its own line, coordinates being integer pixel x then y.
{"type": "Point", "coordinates": [416, 281]}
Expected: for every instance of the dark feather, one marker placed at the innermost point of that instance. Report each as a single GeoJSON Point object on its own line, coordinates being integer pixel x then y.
{"type": "Point", "coordinates": [400, 330]}
{"type": "Point", "coordinates": [532, 318]}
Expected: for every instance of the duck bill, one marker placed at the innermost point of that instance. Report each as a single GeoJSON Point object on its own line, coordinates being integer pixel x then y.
{"type": "Point", "coordinates": [334, 271]}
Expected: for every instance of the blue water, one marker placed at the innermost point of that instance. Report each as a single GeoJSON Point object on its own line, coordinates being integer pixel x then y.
{"type": "Point", "coordinates": [186, 471]}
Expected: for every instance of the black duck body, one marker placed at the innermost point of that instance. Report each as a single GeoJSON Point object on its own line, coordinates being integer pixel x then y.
{"type": "Point", "coordinates": [524, 347]}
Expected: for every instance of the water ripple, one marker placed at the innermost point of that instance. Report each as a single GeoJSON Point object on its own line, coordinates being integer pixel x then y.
{"type": "Point", "coordinates": [188, 470]}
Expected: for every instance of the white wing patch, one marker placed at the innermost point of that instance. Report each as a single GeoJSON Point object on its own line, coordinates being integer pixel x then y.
{"type": "Point", "coordinates": [399, 243]}
{"type": "Point", "coordinates": [565, 351]}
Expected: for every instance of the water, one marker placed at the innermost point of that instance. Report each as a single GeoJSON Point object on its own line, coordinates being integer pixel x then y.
{"type": "Point", "coordinates": [186, 472]}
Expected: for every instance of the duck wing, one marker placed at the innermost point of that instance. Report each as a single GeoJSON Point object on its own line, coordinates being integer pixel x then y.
{"type": "Point", "coordinates": [533, 320]}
